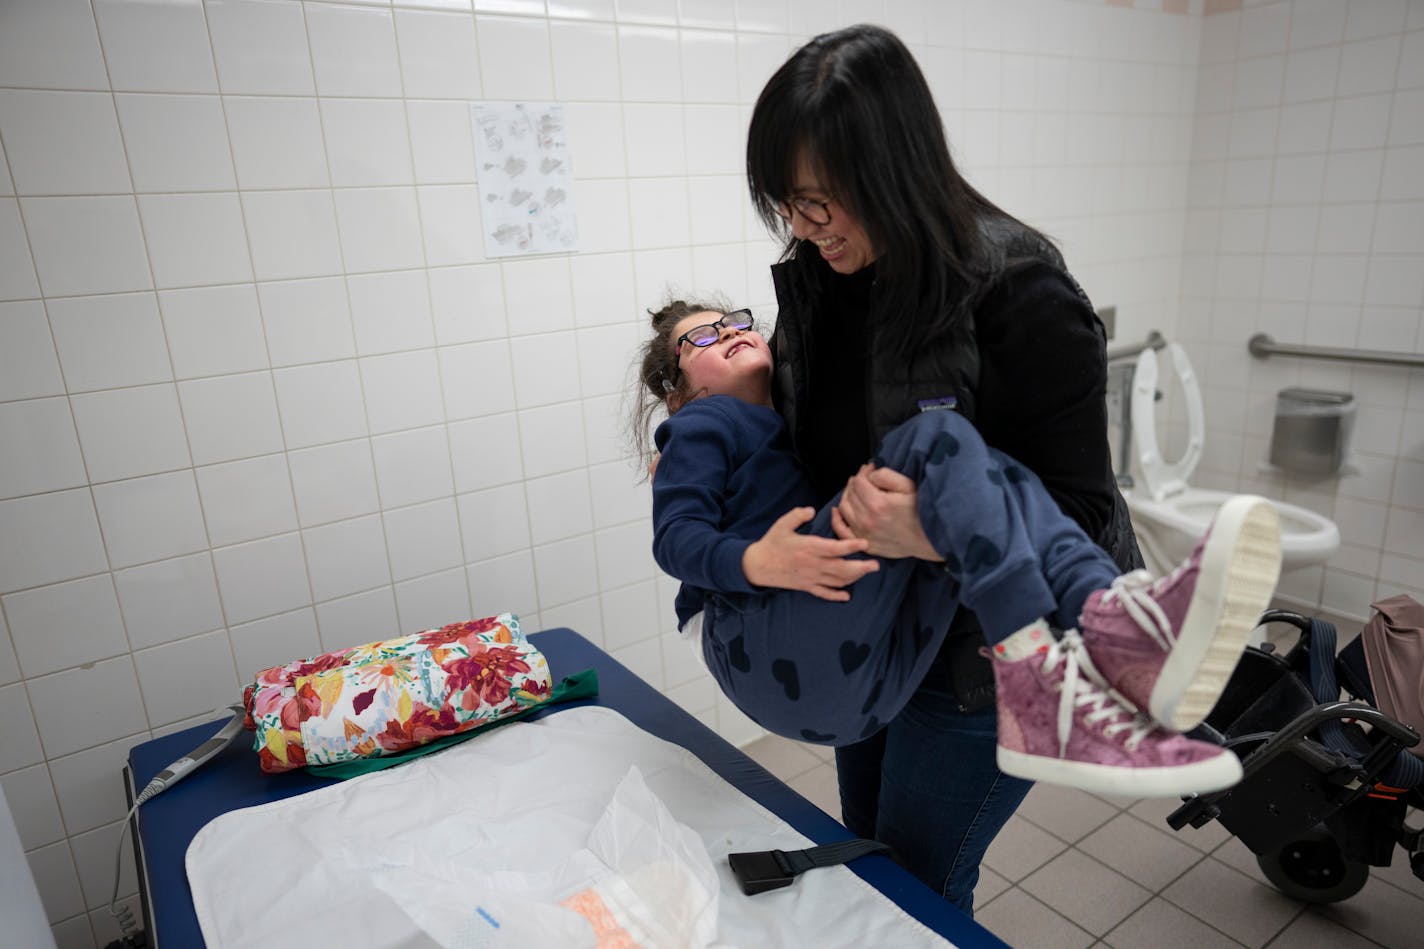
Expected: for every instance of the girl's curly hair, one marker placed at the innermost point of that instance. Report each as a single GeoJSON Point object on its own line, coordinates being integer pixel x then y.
{"type": "Point", "coordinates": [660, 386]}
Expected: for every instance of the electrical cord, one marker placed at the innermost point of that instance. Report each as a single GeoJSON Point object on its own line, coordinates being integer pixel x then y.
{"type": "Point", "coordinates": [130, 935]}
{"type": "Point", "coordinates": [128, 926]}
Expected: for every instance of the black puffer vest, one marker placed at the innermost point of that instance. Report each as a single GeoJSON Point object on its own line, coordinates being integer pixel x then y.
{"type": "Point", "coordinates": [896, 386]}
{"type": "Point", "coordinates": [949, 367]}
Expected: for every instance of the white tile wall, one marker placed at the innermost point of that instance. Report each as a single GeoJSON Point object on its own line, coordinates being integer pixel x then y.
{"type": "Point", "coordinates": [45, 454]}
{"type": "Point", "coordinates": [292, 233]}
{"type": "Point", "coordinates": [260, 383]}
{"type": "Point", "coordinates": [320, 402]}
{"type": "Point", "coordinates": [65, 142]}
{"type": "Point", "coordinates": [169, 599]}
{"type": "Point", "coordinates": [423, 539]}
{"type": "Point", "coordinates": [87, 705]}
{"type": "Point", "coordinates": [186, 678]}
{"type": "Point", "coordinates": [246, 500]}
{"type": "Point", "coordinates": [333, 481]}
{"type": "Point", "coordinates": [306, 320]}
{"type": "Point", "coordinates": [53, 870]}
{"type": "Point", "coordinates": [152, 518]}
{"type": "Point", "coordinates": [86, 244]}
{"type": "Point", "coordinates": [413, 466]}
{"type": "Point", "coordinates": [213, 330]}
{"type": "Point", "coordinates": [64, 625]}
{"type": "Point", "coordinates": [88, 784]}
{"type": "Point", "coordinates": [362, 618]}
{"type": "Point", "coordinates": [29, 363]}
{"type": "Point", "coordinates": [274, 640]}
{"type": "Point", "coordinates": [49, 537]}
{"type": "Point", "coordinates": [346, 557]}
{"type": "Point", "coordinates": [432, 600]}
{"type": "Point", "coordinates": [9, 665]}
{"type": "Point", "coordinates": [1316, 150]}
{"type": "Point", "coordinates": [156, 47]}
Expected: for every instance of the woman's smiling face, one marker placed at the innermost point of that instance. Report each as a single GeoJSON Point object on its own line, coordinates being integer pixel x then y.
{"type": "Point", "coordinates": [842, 241]}
{"type": "Point", "coordinates": [737, 364]}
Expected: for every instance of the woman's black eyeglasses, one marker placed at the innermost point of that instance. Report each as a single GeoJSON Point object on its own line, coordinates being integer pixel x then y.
{"type": "Point", "coordinates": [815, 212]}
{"type": "Point", "coordinates": [709, 333]}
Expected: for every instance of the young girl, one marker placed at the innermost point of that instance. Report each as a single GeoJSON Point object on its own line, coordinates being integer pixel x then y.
{"type": "Point", "coordinates": [809, 660]}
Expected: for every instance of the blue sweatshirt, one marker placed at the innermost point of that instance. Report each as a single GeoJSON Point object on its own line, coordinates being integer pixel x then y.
{"type": "Point", "coordinates": [725, 474]}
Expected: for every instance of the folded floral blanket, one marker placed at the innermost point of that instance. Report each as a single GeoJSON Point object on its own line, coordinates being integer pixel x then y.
{"type": "Point", "coordinates": [388, 697]}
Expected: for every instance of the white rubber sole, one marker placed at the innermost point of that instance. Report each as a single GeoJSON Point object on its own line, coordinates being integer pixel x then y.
{"type": "Point", "coordinates": [1213, 774]}
{"type": "Point", "coordinates": [1239, 569]}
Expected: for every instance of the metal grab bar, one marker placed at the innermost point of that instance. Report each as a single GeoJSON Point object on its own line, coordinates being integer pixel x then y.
{"type": "Point", "coordinates": [1262, 346]}
{"type": "Point", "coordinates": [1155, 340]}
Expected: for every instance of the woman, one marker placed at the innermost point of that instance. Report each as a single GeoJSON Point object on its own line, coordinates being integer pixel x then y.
{"type": "Point", "coordinates": [897, 273]}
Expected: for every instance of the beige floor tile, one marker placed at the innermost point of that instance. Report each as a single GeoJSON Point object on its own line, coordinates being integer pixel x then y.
{"type": "Point", "coordinates": [782, 757]}
{"type": "Point", "coordinates": [1311, 931]}
{"type": "Point", "coordinates": [1065, 813]}
{"type": "Point", "coordinates": [818, 786]}
{"type": "Point", "coordinates": [1160, 925]}
{"type": "Point", "coordinates": [1232, 902]}
{"type": "Point", "coordinates": [1025, 923]}
{"type": "Point", "coordinates": [1085, 891]}
{"type": "Point", "coordinates": [1020, 849]}
{"type": "Point", "coordinates": [990, 885]}
{"type": "Point", "coordinates": [1238, 856]}
{"type": "Point", "coordinates": [1154, 810]}
{"type": "Point", "coordinates": [1382, 912]}
{"type": "Point", "coordinates": [1140, 852]}
{"type": "Point", "coordinates": [1399, 874]}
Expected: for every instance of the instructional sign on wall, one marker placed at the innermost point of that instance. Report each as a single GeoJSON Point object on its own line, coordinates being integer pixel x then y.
{"type": "Point", "coordinates": [525, 178]}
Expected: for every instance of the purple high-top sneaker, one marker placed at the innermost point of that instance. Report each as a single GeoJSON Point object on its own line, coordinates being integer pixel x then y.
{"type": "Point", "coordinates": [1058, 723]}
{"type": "Point", "coordinates": [1169, 646]}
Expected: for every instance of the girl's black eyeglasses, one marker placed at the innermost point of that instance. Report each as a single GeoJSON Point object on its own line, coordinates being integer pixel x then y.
{"type": "Point", "coordinates": [709, 333]}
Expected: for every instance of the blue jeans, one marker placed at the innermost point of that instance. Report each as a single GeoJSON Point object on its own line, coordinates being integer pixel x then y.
{"type": "Point", "coordinates": [929, 786]}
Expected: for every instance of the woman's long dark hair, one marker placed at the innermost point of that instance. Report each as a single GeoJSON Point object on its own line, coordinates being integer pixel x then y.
{"type": "Point", "coordinates": [855, 103]}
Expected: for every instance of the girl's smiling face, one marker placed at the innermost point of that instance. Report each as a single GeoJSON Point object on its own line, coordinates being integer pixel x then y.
{"type": "Point", "coordinates": [737, 364]}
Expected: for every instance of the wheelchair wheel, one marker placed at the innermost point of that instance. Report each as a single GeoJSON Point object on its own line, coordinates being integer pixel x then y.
{"type": "Point", "coordinates": [1312, 868]}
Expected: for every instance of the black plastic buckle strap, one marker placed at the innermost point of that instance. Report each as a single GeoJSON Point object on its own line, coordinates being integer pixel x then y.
{"type": "Point", "coordinates": [772, 869]}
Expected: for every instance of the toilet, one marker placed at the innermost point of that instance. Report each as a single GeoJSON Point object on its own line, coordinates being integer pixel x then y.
{"type": "Point", "coordinates": [1168, 514]}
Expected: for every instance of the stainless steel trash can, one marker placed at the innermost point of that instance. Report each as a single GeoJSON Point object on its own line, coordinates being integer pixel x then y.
{"type": "Point", "coordinates": [1312, 431]}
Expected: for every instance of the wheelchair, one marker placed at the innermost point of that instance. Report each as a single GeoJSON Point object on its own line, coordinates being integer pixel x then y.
{"type": "Point", "coordinates": [1329, 782]}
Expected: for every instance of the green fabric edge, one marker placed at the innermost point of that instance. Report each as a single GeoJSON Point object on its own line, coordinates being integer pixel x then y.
{"type": "Point", "coordinates": [580, 685]}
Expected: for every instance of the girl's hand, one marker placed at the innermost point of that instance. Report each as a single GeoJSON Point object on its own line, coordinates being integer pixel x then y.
{"type": "Point", "coordinates": [881, 506]}
{"type": "Point", "coordinates": [814, 565]}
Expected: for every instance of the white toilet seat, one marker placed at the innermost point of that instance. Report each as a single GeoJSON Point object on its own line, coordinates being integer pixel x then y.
{"type": "Point", "coordinates": [1161, 478]}
{"type": "Point", "coordinates": [1168, 503]}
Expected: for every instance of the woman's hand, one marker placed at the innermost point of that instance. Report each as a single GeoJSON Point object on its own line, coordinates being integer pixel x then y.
{"type": "Point", "coordinates": [814, 565]}
{"type": "Point", "coordinates": [881, 506]}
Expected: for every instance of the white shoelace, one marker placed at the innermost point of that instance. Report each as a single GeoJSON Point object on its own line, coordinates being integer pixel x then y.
{"type": "Point", "coordinates": [1083, 687]}
{"type": "Point", "coordinates": [1134, 591]}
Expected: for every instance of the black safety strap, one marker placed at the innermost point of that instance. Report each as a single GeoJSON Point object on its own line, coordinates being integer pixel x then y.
{"type": "Point", "coordinates": [772, 869]}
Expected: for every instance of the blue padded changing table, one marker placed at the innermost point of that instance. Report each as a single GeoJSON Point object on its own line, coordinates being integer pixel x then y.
{"type": "Point", "coordinates": [165, 825]}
